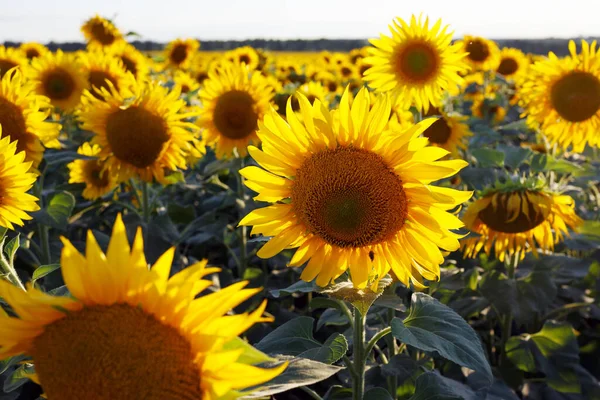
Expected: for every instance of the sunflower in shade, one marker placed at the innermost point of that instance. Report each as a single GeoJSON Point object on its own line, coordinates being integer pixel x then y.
{"type": "Point", "coordinates": [10, 58]}
{"type": "Point", "coordinates": [350, 196]}
{"type": "Point", "coordinates": [562, 97]}
{"type": "Point", "coordinates": [180, 52]}
{"type": "Point", "coordinates": [100, 32]}
{"type": "Point", "coordinates": [517, 218]}
{"type": "Point", "coordinates": [483, 54]}
{"type": "Point", "coordinates": [165, 342]}
{"type": "Point", "coordinates": [234, 101]}
{"type": "Point", "coordinates": [93, 173]}
{"type": "Point", "coordinates": [416, 64]}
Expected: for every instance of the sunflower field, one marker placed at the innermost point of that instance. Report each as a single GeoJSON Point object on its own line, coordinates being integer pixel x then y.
{"type": "Point", "coordinates": [416, 219]}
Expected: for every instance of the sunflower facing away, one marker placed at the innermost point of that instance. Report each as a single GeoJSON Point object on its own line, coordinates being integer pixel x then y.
{"type": "Point", "coordinates": [22, 116]}
{"type": "Point", "coordinates": [142, 132]}
{"type": "Point", "coordinates": [417, 63]}
{"type": "Point", "coordinates": [349, 195]}
{"type": "Point", "coordinates": [10, 58]}
{"type": "Point", "coordinates": [234, 100]}
{"type": "Point", "coordinates": [180, 52]}
{"type": "Point", "coordinates": [98, 179]}
{"type": "Point", "coordinates": [60, 77]}
{"type": "Point", "coordinates": [130, 332]}
{"type": "Point", "coordinates": [450, 132]}
{"type": "Point", "coordinates": [15, 181]}
{"type": "Point", "coordinates": [562, 97]}
{"type": "Point", "coordinates": [100, 32]}
{"type": "Point", "coordinates": [484, 54]}
{"type": "Point", "coordinates": [513, 63]}
{"type": "Point", "coordinates": [516, 220]}
{"type": "Point", "coordinates": [33, 50]}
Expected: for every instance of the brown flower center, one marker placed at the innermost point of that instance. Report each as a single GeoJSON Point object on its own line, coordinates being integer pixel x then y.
{"type": "Point", "coordinates": [505, 217]}
{"type": "Point", "coordinates": [478, 50]}
{"type": "Point", "coordinates": [245, 58]}
{"type": "Point", "coordinates": [508, 66]}
{"type": "Point", "coordinates": [201, 77]}
{"type": "Point", "coordinates": [115, 352]}
{"type": "Point", "coordinates": [94, 173]}
{"type": "Point", "coordinates": [14, 125]}
{"type": "Point", "coordinates": [32, 53]}
{"type": "Point", "coordinates": [136, 136]}
{"type": "Point", "coordinates": [346, 72]}
{"type": "Point", "coordinates": [5, 65]}
{"type": "Point", "coordinates": [234, 114]}
{"type": "Point", "coordinates": [58, 84]}
{"type": "Point", "coordinates": [416, 62]}
{"type": "Point", "coordinates": [102, 34]}
{"type": "Point", "coordinates": [129, 65]}
{"type": "Point", "coordinates": [576, 96]}
{"type": "Point", "coordinates": [349, 197]}
{"type": "Point", "coordinates": [179, 54]}
{"type": "Point", "coordinates": [439, 132]}
{"type": "Point", "coordinates": [98, 80]}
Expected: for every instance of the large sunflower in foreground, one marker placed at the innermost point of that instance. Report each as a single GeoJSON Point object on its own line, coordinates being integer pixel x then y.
{"type": "Point", "coordinates": [484, 54]}
{"type": "Point", "coordinates": [417, 63]}
{"type": "Point", "coordinates": [130, 332]}
{"type": "Point", "coordinates": [22, 116]}
{"type": "Point", "coordinates": [10, 58]}
{"type": "Point", "coordinates": [351, 196]}
{"type": "Point", "coordinates": [100, 32]}
{"type": "Point", "coordinates": [179, 53]}
{"type": "Point", "coordinates": [515, 220]}
{"type": "Point", "coordinates": [562, 97]}
{"type": "Point", "coordinates": [234, 100]}
{"type": "Point", "coordinates": [60, 77]}
{"type": "Point", "coordinates": [142, 132]}
{"type": "Point", "coordinates": [15, 181]}
{"type": "Point", "coordinates": [98, 179]}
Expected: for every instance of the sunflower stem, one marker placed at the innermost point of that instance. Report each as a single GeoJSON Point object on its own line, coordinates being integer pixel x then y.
{"type": "Point", "coordinates": [241, 231]}
{"type": "Point", "coordinates": [511, 266]}
{"type": "Point", "coordinates": [360, 355]}
{"type": "Point", "coordinates": [43, 229]}
{"type": "Point", "coordinates": [145, 202]}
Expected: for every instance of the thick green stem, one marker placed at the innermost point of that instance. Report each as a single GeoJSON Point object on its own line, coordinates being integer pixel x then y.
{"type": "Point", "coordinates": [376, 338]}
{"type": "Point", "coordinates": [359, 356]}
{"type": "Point", "coordinates": [511, 266]}
{"type": "Point", "coordinates": [145, 202]}
{"type": "Point", "coordinates": [241, 231]}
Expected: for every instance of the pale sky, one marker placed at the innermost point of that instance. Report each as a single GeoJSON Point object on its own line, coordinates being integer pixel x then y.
{"type": "Point", "coordinates": [164, 20]}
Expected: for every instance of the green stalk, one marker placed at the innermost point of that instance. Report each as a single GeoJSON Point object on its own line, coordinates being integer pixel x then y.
{"type": "Point", "coordinates": [145, 202]}
{"type": "Point", "coordinates": [359, 356]}
{"type": "Point", "coordinates": [241, 231]}
{"type": "Point", "coordinates": [511, 266]}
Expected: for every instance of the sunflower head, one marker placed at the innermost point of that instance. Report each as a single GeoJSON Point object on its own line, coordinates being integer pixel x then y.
{"type": "Point", "coordinates": [513, 63]}
{"type": "Point", "coordinates": [235, 100]}
{"type": "Point", "coordinates": [126, 317]}
{"type": "Point", "coordinates": [243, 55]}
{"type": "Point", "coordinates": [141, 132]}
{"type": "Point", "coordinates": [180, 52]}
{"type": "Point", "coordinates": [487, 107]}
{"type": "Point", "coordinates": [104, 69]}
{"type": "Point", "coordinates": [10, 58]}
{"type": "Point", "coordinates": [93, 173]}
{"type": "Point", "coordinates": [483, 54]}
{"type": "Point", "coordinates": [351, 195]}
{"type": "Point", "coordinates": [33, 50]}
{"type": "Point", "coordinates": [518, 217]}
{"type": "Point", "coordinates": [60, 77]}
{"type": "Point", "coordinates": [450, 132]}
{"type": "Point", "coordinates": [133, 61]}
{"type": "Point", "coordinates": [185, 82]}
{"type": "Point", "coordinates": [100, 32]}
{"type": "Point", "coordinates": [417, 63]}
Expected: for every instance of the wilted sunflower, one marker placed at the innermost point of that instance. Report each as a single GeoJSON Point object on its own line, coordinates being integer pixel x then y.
{"type": "Point", "coordinates": [98, 179]}
{"type": "Point", "coordinates": [15, 181]}
{"type": "Point", "coordinates": [562, 97]}
{"type": "Point", "coordinates": [180, 52]}
{"type": "Point", "coordinates": [515, 220]}
{"type": "Point", "coordinates": [484, 54]}
{"type": "Point", "coordinates": [130, 332]}
{"type": "Point", "coordinates": [60, 77]}
{"type": "Point", "coordinates": [33, 50]}
{"type": "Point", "coordinates": [513, 63]}
{"type": "Point", "coordinates": [350, 195]}
{"type": "Point", "coordinates": [132, 60]}
{"type": "Point", "coordinates": [417, 63]}
{"type": "Point", "coordinates": [142, 133]}
{"type": "Point", "coordinates": [22, 116]}
{"type": "Point", "coordinates": [10, 58]}
{"type": "Point", "coordinates": [450, 132]}
{"type": "Point", "coordinates": [243, 55]}
{"type": "Point", "coordinates": [102, 68]}
{"type": "Point", "coordinates": [234, 100]}
{"type": "Point", "coordinates": [100, 32]}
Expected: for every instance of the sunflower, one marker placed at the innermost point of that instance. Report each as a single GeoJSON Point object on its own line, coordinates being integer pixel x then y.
{"type": "Point", "coordinates": [130, 332]}
{"type": "Point", "coordinates": [142, 132]}
{"type": "Point", "coordinates": [60, 77]}
{"type": "Point", "coordinates": [450, 132]}
{"type": "Point", "coordinates": [185, 82]}
{"type": "Point", "coordinates": [102, 68]}
{"type": "Point", "coordinates": [347, 71]}
{"type": "Point", "coordinates": [486, 107]}
{"type": "Point", "coordinates": [312, 91]}
{"type": "Point", "coordinates": [235, 100]}
{"type": "Point", "coordinates": [98, 180]}
{"type": "Point", "coordinates": [515, 220]}
{"type": "Point", "coordinates": [10, 58]}
{"type": "Point", "coordinates": [179, 52]}
{"type": "Point", "coordinates": [350, 195]}
{"type": "Point", "coordinates": [15, 181]}
{"type": "Point", "coordinates": [132, 60]}
{"type": "Point", "coordinates": [33, 50]}
{"type": "Point", "coordinates": [100, 32]}
{"type": "Point", "coordinates": [562, 97]}
{"type": "Point", "coordinates": [243, 55]}
{"type": "Point", "coordinates": [22, 116]}
{"type": "Point", "coordinates": [416, 64]}
{"type": "Point", "coordinates": [484, 54]}
{"type": "Point", "coordinates": [513, 63]}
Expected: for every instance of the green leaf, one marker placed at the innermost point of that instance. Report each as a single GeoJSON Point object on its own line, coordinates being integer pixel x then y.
{"type": "Point", "coordinates": [43, 270]}
{"type": "Point", "coordinates": [378, 393]}
{"type": "Point", "coordinates": [331, 317]}
{"type": "Point", "coordinates": [515, 156]}
{"type": "Point", "coordinates": [250, 355]}
{"type": "Point", "coordinates": [298, 287]}
{"type": "Point", "coordinates": [181, 214]}
{"type": "Point", "coordinates": [488, 157]}
{"type": "Point", "coordinates": [11, 249]}
{"type": "Point", "coordinates": [332, 350]}
{"type": "Point", "coordinates": [174, 177]}
{"type": "Point", "coordinates": [323, 302]}
{"type": "Point", "coordinates": [18, 378]}
{"type": "Point", "coordinates": [431, 386]}
{"type": "Point", "coordinates": [434, 327]}
{"type": "Point", "coordinates": [252, 273]}
{"type": "Point", "coordinates": [300, 372]}
{"type": "Point", "coordinates": [401, 366]}
{"type": "Point", "coordinates": [591, 228]}
{"type": "Point", "coordinates": [337, 392]}
{"type": "Point", "coordinates": [58, 211]}
{"type": "Point", "coordinates": [10, 362]}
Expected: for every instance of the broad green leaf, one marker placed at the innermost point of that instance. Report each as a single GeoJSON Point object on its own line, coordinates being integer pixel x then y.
{"type": "Point", "coordinates": [591, 228]}
{"type": "Point", "coordinates": [514, 156]}
{"type": "Point", "coordinates": [337, 392]}
{"type": "Point", "coordinates": [488, 157]}
{"type": "Point", "coordinates": [252, 273]}
{"type": "Point", "coordinates": [18, 378]}
{"type": "Point", "coordinates": [11, 249]}
{"type": "Point", "coordinates": [9, 362]}
{"type": "Point", "coordinates": [43, 270]}
{"type": "Point", "coordinates": [57, 212]}
{"type": "Point", "coordinates": [434, 327]}
{"type": "Point", "coordinates": [332, 350]}
{"type": "Point", "coordinates": [431, 386]}
{"type": "Point", "coordinates": [298, 287]}
{"type": "Point", "coordinates": [332, 317]}
{"type": "Point", "coordinates": [401, 366]}
{"type": "Point", "coordinates": [251, 355]}
{"type": "Point", "coordinates": [378, 393]}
